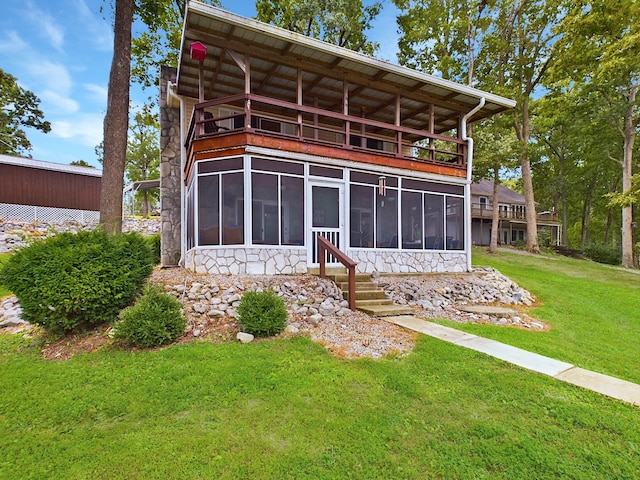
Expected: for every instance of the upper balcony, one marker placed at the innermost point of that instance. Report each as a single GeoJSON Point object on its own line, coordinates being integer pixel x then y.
{"type": "Point", "coordinates": [248, 119]}
{"type": "Point", "coordinates": [515, 213]}
{"type": "Point", "coordinates": [270, 87]}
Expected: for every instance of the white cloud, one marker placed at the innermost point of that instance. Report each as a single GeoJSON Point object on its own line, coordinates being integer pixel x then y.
{"type": "Point", "coordinates": [84, 129]}
{"type": "Point", "coordinates": [54, 75]}
{"type": "Point", "coordinates": [60, 103]}
{"type": "Point", "coordinates": [97, 26]}
{"type": "Point", "coordinates": [98, 92]}
{"type": "Point", "coordinates": [13, 43]}
{"type": "Point", "coordinates": [46, 24]}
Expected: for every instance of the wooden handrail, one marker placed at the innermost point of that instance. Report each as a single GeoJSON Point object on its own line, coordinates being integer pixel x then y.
{"type": "Point", "coordinates": [249, 105]}
{"type": "Point", "coordinates": [324, 246]}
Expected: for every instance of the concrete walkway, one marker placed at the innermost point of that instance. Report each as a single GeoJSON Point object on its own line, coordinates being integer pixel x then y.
{"type": "Point", "coordinates": [603, 384]}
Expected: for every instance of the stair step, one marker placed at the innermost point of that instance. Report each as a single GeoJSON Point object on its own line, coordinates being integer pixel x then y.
{"type": "Point", "coordinates": [384, 310]}
{"type": "Point", "coordinates": [367, 295]}
{"type": "Point", "coordinates": [344, 278]}
{"type": "Point", "coordinates": [344, 286]}
{"type": "Point", "coordinates": [375, 301]}
{"type": "Point", "coordinates": [329, 271]}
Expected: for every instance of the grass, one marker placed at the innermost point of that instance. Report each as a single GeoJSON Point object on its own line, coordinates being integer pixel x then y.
{"type": "Point", "coordinates": [280, 409]}
{"type": "Point", "coordinates": [287, 409]}
{"type": "Point", "coordinates": [593, 311]}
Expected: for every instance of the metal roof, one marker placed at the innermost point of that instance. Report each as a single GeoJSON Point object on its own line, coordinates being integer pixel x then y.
{"type": "Point", "coordinates": [276, 55]}
{"type": "Point", "coordinates": [56, 167]}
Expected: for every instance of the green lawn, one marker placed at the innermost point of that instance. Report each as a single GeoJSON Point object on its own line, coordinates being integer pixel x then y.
{"type": "Point", "coordinates": [593, 310]}
{"type": "Point", "coordinates": [287, 409]}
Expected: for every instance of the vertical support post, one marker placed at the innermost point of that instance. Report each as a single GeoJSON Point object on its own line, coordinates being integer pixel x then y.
{"type": "Point", "coordinates": [345, 111]}
{"type": "Point", "coordinates": [247, 90]}
{"type": "Point", "coordinates": [200, 82]}
{"type": "Point", "coordinates": [398, 124]}
{"type": "Point", "coordinates": [300, 100]}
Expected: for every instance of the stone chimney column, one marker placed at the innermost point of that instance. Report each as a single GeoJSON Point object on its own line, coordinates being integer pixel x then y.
{"type": "Point", "coordinates": [170, 166]}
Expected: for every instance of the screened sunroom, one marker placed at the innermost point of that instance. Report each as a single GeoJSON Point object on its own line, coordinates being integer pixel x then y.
{"type": "Point", "coordinates": [284, 138]}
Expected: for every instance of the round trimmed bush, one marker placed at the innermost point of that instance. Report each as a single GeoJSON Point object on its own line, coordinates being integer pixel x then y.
{"type": "Point", "coordinates": [262, 313]}
{"type": "Point", "coordinates": [80, 280]}
{"type": "Point", "coordinates": [154, 320]}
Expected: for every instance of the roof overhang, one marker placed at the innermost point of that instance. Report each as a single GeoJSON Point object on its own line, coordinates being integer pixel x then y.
{"type": "Point", "coordinates": [276, 55]}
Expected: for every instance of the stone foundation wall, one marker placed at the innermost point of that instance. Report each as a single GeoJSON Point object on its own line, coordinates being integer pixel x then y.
{"type": "Point", "coordinates": [254, 261]}
{"type": "Point", "coordinates": [408, 262]}
{"type": "Point", "coordinates": [262, 261]}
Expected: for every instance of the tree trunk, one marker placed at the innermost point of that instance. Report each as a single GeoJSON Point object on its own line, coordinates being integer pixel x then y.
{"type": "Point", "coordinates": [495, 213]}
{"type": "Point", "coordinates": [523, 132]}
{"type": "Point", "coordinates": [563, 203]}
{"type": "Point", "coordinates": [586, 211]}
{"type": "Point", "coordinates": [116, 121]}
{"type": "Point", "coordinates": [627, 172]}
{"type": "Point", "coordinates": [607, 231]}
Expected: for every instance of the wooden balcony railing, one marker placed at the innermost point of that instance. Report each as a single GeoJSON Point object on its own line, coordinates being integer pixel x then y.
{"type": "Point", "coordinates": [478, 211]}
{"type": "Point", "coordinates": [272, 117]}
{"type": "Point", "coordinates": [325, 246]}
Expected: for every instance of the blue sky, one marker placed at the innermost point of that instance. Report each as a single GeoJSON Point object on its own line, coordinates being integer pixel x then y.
{"type": "Point", "coordinates": [61, 50]}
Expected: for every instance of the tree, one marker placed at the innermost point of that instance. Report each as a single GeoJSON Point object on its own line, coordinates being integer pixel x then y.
{"type": "Point", "coordinates": [143, 152]}
{"type": "Point", "coordinates": [602, 48]}
{"type": "Point", "coordinates": [116, 120]}
{"type": "Point", "coordinates": [159, 42]}
{"type": "Point", "coordinates": [495, 149]}
{"type": "Point", "coordinates": [442, 36]}
{"type": "Point", "coordinates": [18, 109]}
{"type": "Point", "coordinates": [517, 52]}
{"type": "Point", "coordinates": [341, 22]}
{"type": "Point", "coordinates": [81, 163]}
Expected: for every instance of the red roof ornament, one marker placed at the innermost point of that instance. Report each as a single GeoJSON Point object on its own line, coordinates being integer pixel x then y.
{"type": "Point", "coordinates": [198, 51]}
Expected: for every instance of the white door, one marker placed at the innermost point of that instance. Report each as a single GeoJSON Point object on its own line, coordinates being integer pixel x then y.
{"type": "Point", "coordinates": [326, 217]}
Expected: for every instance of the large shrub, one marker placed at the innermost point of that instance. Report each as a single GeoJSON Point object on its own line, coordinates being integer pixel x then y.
{"type": "Point", "coordinates": [154, 320]}
{"type": "Point", "coordinates": [262, 313]}
{"type": "Point", "coordinates": [603, 254]}
{"type": "Point", "coordinates": [73, 281]}
{"type": "Point", "coordinates": [153, 241]}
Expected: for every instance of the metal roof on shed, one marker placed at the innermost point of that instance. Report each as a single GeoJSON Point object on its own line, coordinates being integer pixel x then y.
{"type": "Point", "coordinates": [56, 167]}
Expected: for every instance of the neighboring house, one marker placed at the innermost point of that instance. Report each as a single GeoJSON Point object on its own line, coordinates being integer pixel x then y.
{"type": "Point", "coordinates": [276, 138]}
{"type": "Point", "coordinates": [512, 225]}
{"type": "Point", "coordinates": [34, 190]}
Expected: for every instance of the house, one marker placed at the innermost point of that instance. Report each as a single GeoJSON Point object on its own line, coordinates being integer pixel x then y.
{"type": "Point", "coordinates": [270, 139]}
{"type": "Point", "coordinates": [512, 223]}
{"type": "Point", "coordinates": [34, 190]}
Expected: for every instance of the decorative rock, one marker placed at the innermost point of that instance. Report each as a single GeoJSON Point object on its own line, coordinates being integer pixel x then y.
{"type": "Point", "coordinates": [326, 308]}
{"type": "Point", "coordinates": [215, 313]}
{"type": "Point", "coordinates": [244, 337]}
{"type": "Point", "coordinates": [199, 308]}
{"type": "Point", "coordinates": [291, 329]}
{"type": "Point", "coordinates": [315, 318]}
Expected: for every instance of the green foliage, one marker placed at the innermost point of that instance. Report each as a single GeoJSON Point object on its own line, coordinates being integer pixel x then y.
{"type": "Point", "coordinates": [603, 254]}
{"type": "Point", "coordinates": [262, 313]}
{"type": "Point", "coordinates": [153, 242]}
{"type": "Point", "coordinates": [18, 109]}
{"type": "Point", "coordinates": [72, 281]}
{"type": "Point", "coordinates": [343, 23]}
{"type": "Point", "coordinates": [154, 320]}
{"type": "Point", "coordinates": [158, 42]}
{"type": "Point", "coordinates": [4, 257]}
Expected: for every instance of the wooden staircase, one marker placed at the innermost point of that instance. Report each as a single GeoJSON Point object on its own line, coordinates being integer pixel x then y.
{"type": "Point", "coordinates": [370, 299]}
